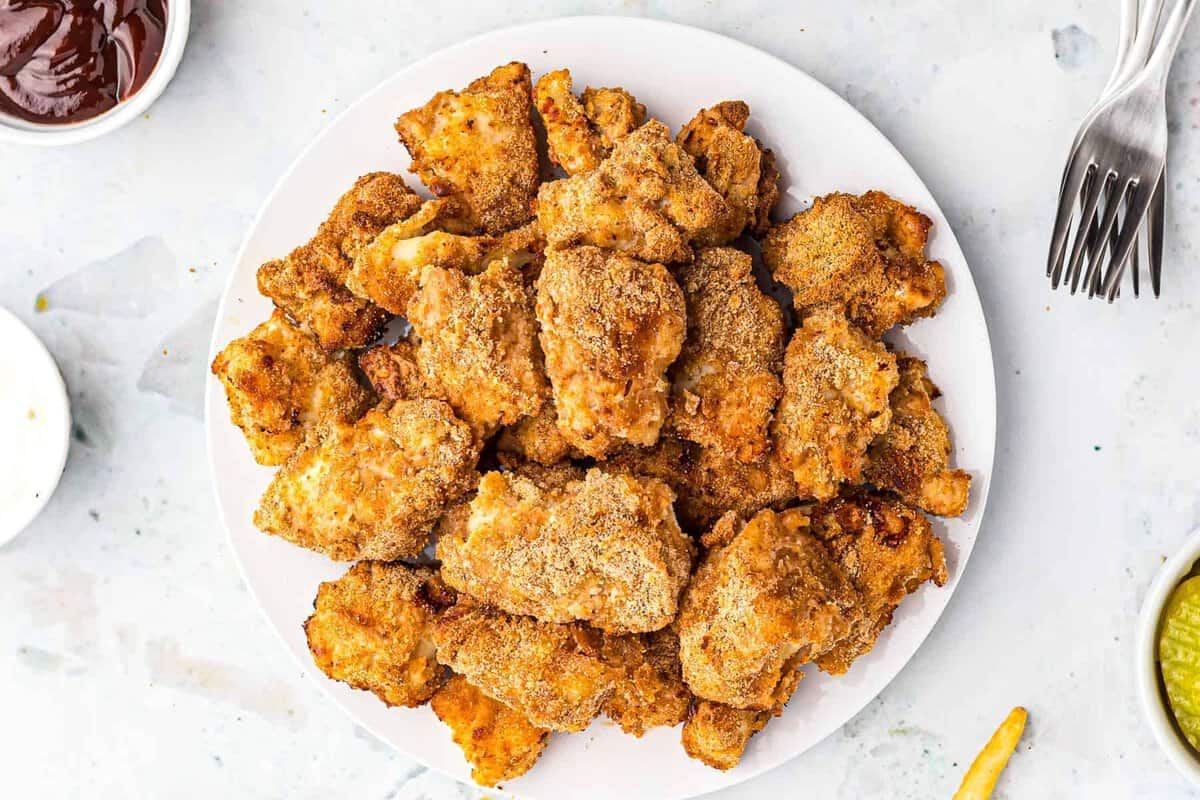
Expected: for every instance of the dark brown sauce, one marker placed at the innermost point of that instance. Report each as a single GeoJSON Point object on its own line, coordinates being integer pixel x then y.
{"type": "Point", "coordinates": [71, 60]}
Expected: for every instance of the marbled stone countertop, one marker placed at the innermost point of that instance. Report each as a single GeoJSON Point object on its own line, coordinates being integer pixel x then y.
{"type": "Point", "coordinates": [132, 661]}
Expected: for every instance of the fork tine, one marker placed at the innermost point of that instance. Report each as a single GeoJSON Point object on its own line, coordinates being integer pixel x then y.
{"type": "Point", "coordinates": [1114, 199]}
{"type": "Point", "coordinates": [1156, 221]}
{"type": "Point", "coordinates": [1094, 284]}
{"type": "Point", "coordinates": [1073, 178]}
{"type": "Point", "coordinates": [1085, 221]}
{"type": "Point", "coordinates": [1139, 203]}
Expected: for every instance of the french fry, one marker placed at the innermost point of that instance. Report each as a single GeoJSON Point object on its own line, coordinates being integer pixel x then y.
{"type": "Point", "coordinates": [981, 778]}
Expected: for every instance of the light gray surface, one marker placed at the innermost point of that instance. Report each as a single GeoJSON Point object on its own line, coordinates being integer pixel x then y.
{"type": "Point", "coordinates": [132, 663]}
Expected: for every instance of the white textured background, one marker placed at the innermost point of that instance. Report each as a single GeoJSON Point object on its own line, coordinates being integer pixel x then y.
{"type": "Point", "coordinates": [132, 663]}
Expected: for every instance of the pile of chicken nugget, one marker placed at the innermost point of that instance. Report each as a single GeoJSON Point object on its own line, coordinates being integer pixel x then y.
{"type": "Point", "coordinates": [656, 493]}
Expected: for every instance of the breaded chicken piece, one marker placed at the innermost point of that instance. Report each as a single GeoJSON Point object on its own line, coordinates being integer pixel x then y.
{"type": "Point", "coordinates": [912, 457]}
{"type": "Point", "coordinates": [390, 269]}
{"type": "Point", "coordinates": [395, 374]}
{"type": "Point", "coordinates": [579, 136]}
{"type": "Point", "coordinates": [717, 734]}
{"type": "Point", "coordinates": [650, 692]}
{"type": "Point", "coordinates": [548, 478]}
{"type": "Point", "coordinates": [478, 341]}
{"type": "Point", "coordinates": [734, 164]}
{"type": "Point", "coordinates": [836, 384]}
{"type": "Point", "coordinates": [309, 284]}
{"type": "Point", "coordinates": [862, 256]}
{"type": "Point", "coordinates": [373, 629]}
{"type": "Point", "coordinates": [888, 550]}
{"type": "Point", "coordinates": [766, 598]}
{"type": "Point", "coordinates": [645, 200]}
{"type": "Point", "coordinates": [372, 489]}
{"type": "Point", "coordinates": [478, 146]}
{"type": "Point", "coordinates": [726, 381]}
{"type": "Point", "coordinates": [708, 482]}
{"type": "Point", "coordinates": [605, 550]}
{"type": "Point", "coordinates": [499, 743]}
{"type": "Point", "coordinates": [537, 438]}
{"type": "Point", "coordinates": [611, 326]}
{"type": "Point", "coordinates": [550, 673]}
{"type": "Point", "coordinates": [279, 384]}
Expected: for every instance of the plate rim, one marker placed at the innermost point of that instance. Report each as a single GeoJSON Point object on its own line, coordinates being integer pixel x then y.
{"type": "Point", "coordinates": [969, 292]}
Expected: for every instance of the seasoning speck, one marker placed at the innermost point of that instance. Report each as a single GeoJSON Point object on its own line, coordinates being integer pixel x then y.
{"type": "Point", "coordinates": [40, 304]}
{"type": "Point", "coordinates": [1096, 447]}
{"type": "Point", "coordinates": [31, 414]}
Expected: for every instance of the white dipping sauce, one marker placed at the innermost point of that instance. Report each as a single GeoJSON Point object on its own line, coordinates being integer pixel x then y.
{"type": "Point", "coordinates": [35, 425]}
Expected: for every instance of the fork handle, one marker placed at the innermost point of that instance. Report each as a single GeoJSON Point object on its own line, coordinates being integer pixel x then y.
{"type": "Point", "coordinates": [1126, 34]}
{"type": "Point", "coordinates": [1172, 33]}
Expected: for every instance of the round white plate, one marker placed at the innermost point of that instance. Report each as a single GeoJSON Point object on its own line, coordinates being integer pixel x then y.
{"type": "Point", "coordinates": [823, 145]}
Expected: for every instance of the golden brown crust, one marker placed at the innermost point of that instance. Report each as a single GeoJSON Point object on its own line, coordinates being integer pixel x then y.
{"type": "Point", "coordinates": [861, 256]}
{"type": "Point", "coordinates": [611, 326]}
{"type": "Point", "coordinates": [912, 457]}
{"type": "Point", "coordinates": [762, 602]}
{"type": "Point", "coordinates": [499, 743]}
{"type": "Point", "coordinates": [537, 438]}
{"type": "Point", "coordinates": [309, 283]}
{"type": "Point", "coordinates": [717, 734]}
{"type": "Point", "coordinates": [372, 489]}
{"type": "Point", "coordinates": [551, 673]}
{"type": "Point", "coordinates": [478, 145]}
{"type": "Point", "coordinates": [478, 342]}
{"type": "Point", "coordinates": [888, 550]}
{"type": "Point", "coordinates": [571, 141]}
{"type": "Point", "coordinates": [613, 112]}
{"type": "Point", "coordinates": [735, 165]}
{"type": "Point", "coordinates": [279, 384]}
{"type": "Point", "coordinates": [726, 381]}
{"type": "Point", "coordinates": [650, 692]}
{"type": "Point", "coordinates": [372, 628]}
{"type": "Point", "coordinates": [395, 374]}
{"type": "Point", "coordinates": [605, 550]}
{"type": "Point", "coordinates": [836, 384]}
{"type": "Point", "coordinates": [645, 200]}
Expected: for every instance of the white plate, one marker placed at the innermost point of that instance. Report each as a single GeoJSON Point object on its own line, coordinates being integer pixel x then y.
{"type": "Point", "coordinates": [823, 145]}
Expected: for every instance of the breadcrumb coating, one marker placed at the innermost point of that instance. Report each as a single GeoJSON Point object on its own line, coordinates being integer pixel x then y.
{"type": "Point", "coordinates": [611, 326]}
{"type": "Point", "coordinates": [766, 598]}
{"type": "Point", "coordinates": [478, 342]}
{"type": "Point", "coordinates": [372, 628]}
{"type": "Point", "coordinates": [604, 550]}
{"type": "Point", "coordinates": [912, 457]}
{"type": "Point", "coordinates": [499, 743]}
{"type": "Point", "coordinates": [861, 256]}
{"type": "Point", "coordinates": [650, 692]}
{"type": "Point", "coordinates": [372, 489]}
{"type": "Point", "coordinates": [613, 112]}
{"type": "Point", "coordinates": [888, 550]}
{"type": "Point", "coordinates": [478, 146]}
{"type": "Point", "coordinates": [717, 734]}
{"type": "Point", "coordinates": [581, 134]}
{"type": "Point", "coordinates": [537, 438]}
{"type": "Point", "coordinates": [551, 673]}
{"type": "Point", "coordinates": [309, 284]}
{"type": "Point", "coordinates": [726, 381]}
{"type": "Point", "coordinates": [279, 384]}
{"type": "Point", "coordinates": [395, 374]}
{"type": "Point", "coordinates": [646, 200]}
{"type": "Point", "coordinates": [736, 166]}
{"type": "Point", "coordinates": [836, 384]}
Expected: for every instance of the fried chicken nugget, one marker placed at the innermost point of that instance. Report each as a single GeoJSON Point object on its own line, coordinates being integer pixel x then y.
{"type": "Point", "coordinates": [581, 134]}
{"type": "Point", "coordinates": [646, 200]}
{"type": "Point", "coordinates": [537, 438]}
{"type": "Point", "coordinates": [550, 673]}
{"type": "Point", "coordinates": [717, 734]}
{"type": "Point", "coordinates": [734, 164]}
{"type": "Point", "coordinates": [726, 380]}
{"type": "Point", "coordinates": [888, 550]}
{"type": "Point", "coordinates": [611, 326]}
{"type": "Point", "coordinates": [309, 284]}
{"type": "Point", "coordinates": [279, 384]}
{"type": "Point", "coordinates": [372, 628]}
{"type": "Point", "coordinates": [836, 384]}
{"type": "Point", "coordinates": [767, 598]}
{"type": "Point", "coordinates": [499, 743]}
{"type": "Point", "coordinates": [650, 692]}
{"type": "Point", "coordinates": [395, 374]}
{"type": "Point", "coordinates": [863, 256]}
{"type": "Point", "coordinates": [605, 550]}
{"type": "Point", "coordinates": [912, 457]}
{"type": "Point", "coordinates": [478, 146]}
{"type": "Point", "coordinates": [372, 489]}
{"type": "Point", "coordinates": [709, 482]}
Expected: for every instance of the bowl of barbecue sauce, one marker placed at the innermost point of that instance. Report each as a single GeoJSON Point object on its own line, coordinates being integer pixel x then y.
{"type": "Point", "coordinates": [72, 70]}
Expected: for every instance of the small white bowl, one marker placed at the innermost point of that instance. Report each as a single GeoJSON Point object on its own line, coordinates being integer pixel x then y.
{"type": "Point", "coordinates": [19, 131]}
{"type": "Point", "coordinates": [1146, 672]}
